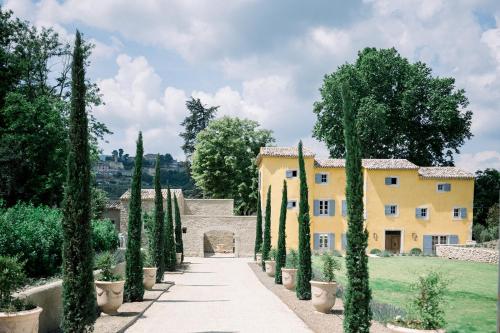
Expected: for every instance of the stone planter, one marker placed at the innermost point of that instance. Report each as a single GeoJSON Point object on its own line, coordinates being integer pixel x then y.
{"type": "Point", "coordinates": [109, 295]}
{"type": "Point", "coordinates": [401, 329]}
{"type": "Point", "coordinates": [288, 277]}
{"type": "Point", "coordinates": [259, 258]}
{"type": "Point", "coordinates": [20, 321]}
{"type": "Point", "coordinates": [270, 267]}
{"type": "Point", "coordinates": [323, 295]}
{"type": "Point", "coordinates": [178, 258]}
{"type": "Point", "coordinates": [149, 277]}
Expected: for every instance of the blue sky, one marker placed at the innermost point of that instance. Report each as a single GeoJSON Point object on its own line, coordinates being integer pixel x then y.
{"type": "Point", "coordinates": [265, 60]}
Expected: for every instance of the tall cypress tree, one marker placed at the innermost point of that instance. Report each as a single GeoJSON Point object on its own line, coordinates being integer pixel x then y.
{"type": "Point", "coordinates": [179, 246]}
{"type": "Point", "coordinates": [79, 301]}
{"type": "Point", "coordinates": [357, 313]}
{"type": "Point", "coordinates": [258, 229]}
{"type": "Point", "coordinates": [158, 232]}
{"type": "Point", "coordinates": [281, 255]}
{"type": "Point", "coordinates": [266, 244]}
{"type": "Point", "coordinates": [134, 288]}
{"type": "Point", "coordinates": [169, 235]}
{"type": "Point", "coordinates": [304, 273]}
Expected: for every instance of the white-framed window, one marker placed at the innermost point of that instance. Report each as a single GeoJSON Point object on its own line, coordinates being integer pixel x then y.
{"type": "Point", "coordinates": [323, 207]}
{"type": "Point", "coordinates": [292, 173]}
{"type": "Point", "coordinates": [391, 210]}
{"type": "Point", "coordinates": [422, 213]}
{"type": "Point", "coordinates": [291, 204]}
{"type": "Point", "coordinates": [459, 213]}
{"type": "Point", "coordinates": [443, 187]}
{"type": "Point", "coordinates": [392, 181]}
{"type": "Point", "coordinates": [439, 240]}
{"type": "Point", "coordinates": [323, 178]}
{"type": "Point", "coordinates": [323, 241]}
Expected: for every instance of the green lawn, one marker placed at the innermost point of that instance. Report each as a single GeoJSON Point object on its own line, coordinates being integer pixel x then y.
{"type": "Point", "coordinates": [471, 300]}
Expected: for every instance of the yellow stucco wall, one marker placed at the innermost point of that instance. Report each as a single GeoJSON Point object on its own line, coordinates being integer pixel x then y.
{"type": "Point", "coordinates": [413, 191]}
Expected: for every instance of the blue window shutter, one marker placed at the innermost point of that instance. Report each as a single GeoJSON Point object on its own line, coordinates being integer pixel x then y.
{"type": "Point", "coordinates": [418, 213]}
{"type": "Point", "coordinates": [288, 173]}
{"type": "Point", "coordinates": [331, 241]}
{"type": "Point", "coordinates": [344, 207]}
{"type": "Point", "coordinates": [316, 241]}
{"type": "Point", "coordinates": [331, 207]}
{"type": "Point", "coordinates": [427, 244]}
{"type": "Point", "coordinates": [463, 213]}
{"type": "Point", "coordinates": [387, 180]}
{"type": "Point", "coordinates": [317, 178]}
{"type": "Point", "coordinates": [289, 204]}
{"type": "Point", "coordinates": [447, 187]}
{"type": "Point", "coordinates": [387, 209]}
{"type": "Point", "coordinates": [316, 207]}
{"type": "Point", "coordinates": [344, 241]}
{"type": "Point", "coordinates": [453, 239]}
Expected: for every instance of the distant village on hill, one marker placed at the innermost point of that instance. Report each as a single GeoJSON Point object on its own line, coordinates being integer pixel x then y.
{"type": "Point", "coordinates": [114, 173]}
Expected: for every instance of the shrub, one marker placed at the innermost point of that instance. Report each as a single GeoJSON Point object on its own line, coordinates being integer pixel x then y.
{"type": "Point", "coordinates": [292, 259]}
{"type": "Point", "coordinates": [104, 236]}
{"type": "Point", "coordinates": [273, 253]}
{"type": "Point", "coordinates": [336, 253]}
{"type": "Point", "coordinates": [11, 278]}
{"type": "Point", "coordinates": [415, 251]}
{"type": "Point", "coordinates": [148, 258]}
{"type": "Point", "coordinates": [383, 312]}
{"type": "Point", "coordinates": [328, 268]}
{"type": "Point", "coordinates": [428, 301]}
{"type": "Point", "coordinates": [375, 252]}
{"type": "Point", "coordinates": [105, 262]}
{"type": "Point", "coordinates": [386, 254]}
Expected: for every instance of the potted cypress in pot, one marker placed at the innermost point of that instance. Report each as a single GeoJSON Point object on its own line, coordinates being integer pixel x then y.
{"type": "Point", "coordinates": [271, 263]}
{"type": "Point", "coordinates": [109, 286]}
{"type": "Point", "coordinates": [258, 256]}
{"type": "Point", "coordinates": [289, 272]}
{"type": "Point", "coordinates": [16, 315]}
{"type": "Point", "coordinates": [149, 270]}
{"type": "Point", "coordinates": [324, 287]}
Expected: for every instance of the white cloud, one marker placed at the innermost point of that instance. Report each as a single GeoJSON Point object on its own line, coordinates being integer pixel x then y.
{"type": "Point", "coordinates": [479, 161]}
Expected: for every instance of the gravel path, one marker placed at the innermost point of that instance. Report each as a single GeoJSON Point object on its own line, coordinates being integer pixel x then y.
{"type": "Point", "coordinates": [218, 295]}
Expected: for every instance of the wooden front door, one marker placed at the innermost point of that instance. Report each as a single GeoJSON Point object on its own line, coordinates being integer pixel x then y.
{"type": "Point", "coordinates": [393, 241]}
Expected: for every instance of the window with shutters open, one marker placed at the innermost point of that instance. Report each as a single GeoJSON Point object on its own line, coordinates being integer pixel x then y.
{"type": "Point", "coordinates": [323, 241]}
{"type": "Point", "coordinates": [391, 210]}
{"type": "Point", "coordinates": [459, 213]}
{"type": "Point", "coordinates": [422, 213]}
{"type": "Point", "coordinates": [392, 181]}
{"type": "Point", "coordinates": [323, 207]}
{"type": "Point", "coordinates": [443, 187]}
{"type": "Point", "coordinates": [291, 173]}
{"type": "Point", "coordinates": [291, 204]}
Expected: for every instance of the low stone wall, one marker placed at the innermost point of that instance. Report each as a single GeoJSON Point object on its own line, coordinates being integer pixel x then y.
{"type": "Point", "coordinates": [209, 207]}
{"type": "Point", "coordinates": [467, 253]}
{"type": "Point", "coordinates": [49, 298]}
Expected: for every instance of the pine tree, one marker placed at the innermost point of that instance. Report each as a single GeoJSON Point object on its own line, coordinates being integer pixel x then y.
{"type": "Point", "coordinates": [169, 235]}
{"type": "Point", "coordinates": [79, 300]}
{"type": "Point", "coordinates": [134, 288]}
{"type": "Point", "coordinates": [281, 255]}
{"type": "Point", "coordinates": [357, 313]}
{"type": "Point", "coordinates": [258, 229]}
{"type": "Point", "coordinates": [158, 232]}
{"type": "Point", "coordinates": [304, 273]}
{"type": "Point", "coordinates": [266, 243]}
{"type": "Point", "coordinates": [179, 247]}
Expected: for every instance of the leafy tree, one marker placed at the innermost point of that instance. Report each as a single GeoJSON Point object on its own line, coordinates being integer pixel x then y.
{"type": "Point", "coordinates": [224, 161]}
{"type": "Point", "coordinates": [357, 312]}
{"type": "Point", "coordinates": [199, 117]}
{"type": "Point", "coordinates": [170, 258]}
{"type": "Point", "coordinates": [258, 229]}
{"type": "Point", "coordinates": [179, 247]}
{"type": "Point", "coordinates": [488, 231]}
{"type": "Point", "coordinates": [486, 193]}
{"type": "Point", "coordinates": [98, 199]}
{"type": "Point", "coordinates": [134, 288]}
{"type": "Point", "coordinates": [401, 110]}
{"type": "Point", "coordinates": [304, 272]}
{"type": "Point", "coordinates": [158, 232]}
{"type": "Point", "coordinates": [79, 300]}
{"type": "Point", "coordinates": [281, 254]}
{"type": "Point", "coordinates": [266, 244]}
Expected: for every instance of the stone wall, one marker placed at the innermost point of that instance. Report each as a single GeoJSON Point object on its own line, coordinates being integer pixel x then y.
{"type": "Point", "coordinates": [219, 241]}
{"type": "Point", "coordinates": [209, 207]}
{"type": "Point", "coordinates": [467, 253]}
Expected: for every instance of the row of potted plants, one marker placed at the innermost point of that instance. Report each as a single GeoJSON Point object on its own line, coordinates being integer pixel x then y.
{"type": "Point", "coordinates": [323, 286]}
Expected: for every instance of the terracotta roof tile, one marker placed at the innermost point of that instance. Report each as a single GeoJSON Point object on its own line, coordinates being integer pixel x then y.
{"type": "Point", "coordinates": [444, 172]}
{"type": "Point", "coordinates": [382, 164]}
{"type": "Point", "coordinates": [284, 151]}
{"type": "Point", "coordinates": [149, 194]}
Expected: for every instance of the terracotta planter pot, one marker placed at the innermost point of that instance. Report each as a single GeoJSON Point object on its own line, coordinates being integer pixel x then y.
{"type": "Point", "coordinates": [259, 259]}
{"type": "Point", "coordinates": [149, 277]}
{"type": "Point", "coordinates": [323, 295]}
{"type": "Point", "coordinates": [270, 267]}
{"type": "Point", "coordinates": [288, 277]}
{"type": "Point", "coordinates": [178, 258]}
{"type": "Point", "coordinates": [20, 321]}
{"type": "Point", "coordinates": [109, 295]}
{"type": "Point", "coordinates": [401, 329]}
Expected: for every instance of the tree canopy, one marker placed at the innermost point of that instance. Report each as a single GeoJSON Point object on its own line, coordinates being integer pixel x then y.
{"type": "Point", "coordinates": [224, 161]}
{"type": "Point", "coordinates": [402, 110]}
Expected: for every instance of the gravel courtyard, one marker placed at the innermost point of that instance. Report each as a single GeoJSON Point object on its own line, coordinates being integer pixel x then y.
{"type": "Point", "coordinates": [218, 295]}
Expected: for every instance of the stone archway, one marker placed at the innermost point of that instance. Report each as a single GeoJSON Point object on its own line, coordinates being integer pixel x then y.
{"type": "Point", "coordinates": [220, 239]}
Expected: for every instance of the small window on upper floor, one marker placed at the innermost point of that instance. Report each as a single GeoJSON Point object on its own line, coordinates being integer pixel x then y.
{"type": "Point", "coordinates": [443, 187]}
{"type": "Point", "coordinates": [459, 213]}
{"type": "Point", "coordinates": [321, 178]}
{"type": "Point", "coordinates": [391, 210]}
{"type": "Point", "coordinates": [291, 173]}
{"type": "Point", "coordinates": [392, 181]}
{"type": "Point", "coordinates": [422, 213]}
{"type": "Point", "coordinates": [291, 204]}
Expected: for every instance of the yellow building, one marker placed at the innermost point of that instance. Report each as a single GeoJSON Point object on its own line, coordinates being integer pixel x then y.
{"type": "Point", "coordinates": [405, 206]}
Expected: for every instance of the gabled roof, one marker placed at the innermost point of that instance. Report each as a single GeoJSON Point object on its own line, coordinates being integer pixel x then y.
{"type": "Point", "coordinates": [282, 152]}
{"type": "Point", "coordinates": [113, 204]}
{"type": "Point", "coordinates": [445, 172]}
{"type": "Point", "coordinates": [149, 194]}
{"type": "Point", "coordinates": [380, 164]}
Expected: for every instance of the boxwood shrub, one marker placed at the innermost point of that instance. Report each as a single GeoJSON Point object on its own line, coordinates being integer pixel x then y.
{"type": "Point", "coordinates": [104, 236]}
{"type": "Point", "coordinates": [375, 252]}
{"type": "Point", "coordinates": [415, 251]}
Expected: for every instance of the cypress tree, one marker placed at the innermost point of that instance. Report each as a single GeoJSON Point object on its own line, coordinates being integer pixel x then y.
{"type": "Point", "coordinates": [134, 288]}
{"type": "Point", "coordinates": [169, 235]}
{"type": "Point", "coordinates": [158, 232]}
{"type": "Point", "coordinates": [179, 247]}
{"type": "Point", "coordinates": [258, 229]}
{"type": "Point", "coordinates": [79, 300]}
{"type": "Point", "coordinates": [266, 244]}
{"type": "Point", "coordinates": [304, 273]}
{"type": "Point", "coordinates": [357, 313]}
{"type": "Point", "coordinates": [281, 255]}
